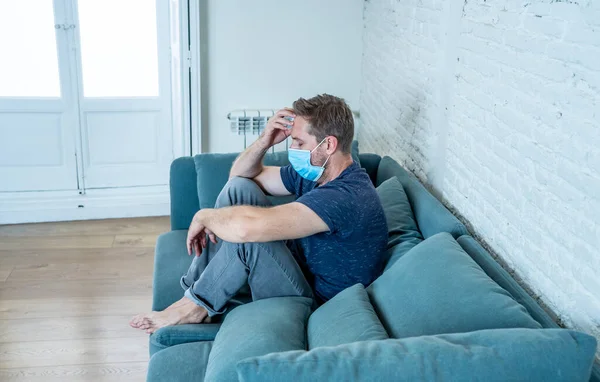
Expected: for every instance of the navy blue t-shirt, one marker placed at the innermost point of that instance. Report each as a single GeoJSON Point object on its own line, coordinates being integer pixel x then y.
{"type": "Point", "coordinates": [351, 251]}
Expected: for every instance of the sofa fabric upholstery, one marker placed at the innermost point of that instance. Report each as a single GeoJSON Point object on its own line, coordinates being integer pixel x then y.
{"type": "Point", "coordinates": [181, 363]}
{"type": "Point", "coordinates": [264, 326]}
{"type": "Point", "coordinates": [403, 233]}
{"type": "Point", "coordinates": [436, 288]}
{"type": "Point", "coordinates": [497, 355]}
{"type": "Point", "coordinates": [347, 317]}
{"type": "Point", "coordinates": [432, 217]}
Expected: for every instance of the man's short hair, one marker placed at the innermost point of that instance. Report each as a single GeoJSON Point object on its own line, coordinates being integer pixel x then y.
{"type": "Point", "coordinates": [328, 115]}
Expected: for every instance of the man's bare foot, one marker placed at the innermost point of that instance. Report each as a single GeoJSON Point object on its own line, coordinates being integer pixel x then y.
{"type": "Point", "coordinates": [184, 311]}
{"type": "Point", "coordinates": [136, 321]}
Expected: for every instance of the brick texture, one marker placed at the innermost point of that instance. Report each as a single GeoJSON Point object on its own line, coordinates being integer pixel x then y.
{"type": "Point", "coordinates": [495, 106]}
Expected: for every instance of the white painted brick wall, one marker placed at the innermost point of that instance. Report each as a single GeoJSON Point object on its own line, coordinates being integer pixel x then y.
{"type": "Point", "coordinates": [495, 105]}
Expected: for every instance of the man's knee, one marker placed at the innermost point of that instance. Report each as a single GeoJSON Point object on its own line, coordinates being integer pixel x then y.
{"type": "Point", "coordinates": [239, 190]}
{"type": "Point", "coordinates": [238, 182]}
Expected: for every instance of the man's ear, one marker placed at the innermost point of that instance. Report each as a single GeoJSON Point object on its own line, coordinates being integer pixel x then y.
{"type": "Point", "coordinates": [331, 144]}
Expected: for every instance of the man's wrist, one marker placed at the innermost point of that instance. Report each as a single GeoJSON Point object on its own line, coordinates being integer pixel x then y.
{"type": "Point", "coordinates": [263, 145]}
{"type": "Point", "coordinates": [200, 216]}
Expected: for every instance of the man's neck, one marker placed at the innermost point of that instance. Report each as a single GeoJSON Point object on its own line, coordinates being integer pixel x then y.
{"type": "Point", "coordinates": [335, 167]}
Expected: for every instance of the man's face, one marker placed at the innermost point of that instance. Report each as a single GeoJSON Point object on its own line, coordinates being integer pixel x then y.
{"type": "Point", "coordinates": [303, 140]}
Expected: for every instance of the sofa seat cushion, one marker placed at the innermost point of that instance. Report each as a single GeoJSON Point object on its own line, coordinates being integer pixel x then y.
{"type": "Point", "coordinates": [497, 355]}
{"type": "Point", "coordinates": [180, 363]}
{"type": "Point", "coordinates": [403, 233]}
{"type": "Point", "coordinates": [258, 328]}
{"type": "Point", "coordinates": [181, 334]}
{"type": "Point", "coordinates": [347, 317]}
{"type": "Point", "coordinates": [437, 288]}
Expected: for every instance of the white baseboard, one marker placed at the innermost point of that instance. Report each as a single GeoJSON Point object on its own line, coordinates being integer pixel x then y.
{"type": "Point", "coordinates": [36, 207]}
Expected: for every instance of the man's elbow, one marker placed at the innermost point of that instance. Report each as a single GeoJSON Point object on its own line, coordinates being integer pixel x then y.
{"type": "Point", "coordinates": [244, 234]}
{"type": "Point", "coordinates": [246, 231]}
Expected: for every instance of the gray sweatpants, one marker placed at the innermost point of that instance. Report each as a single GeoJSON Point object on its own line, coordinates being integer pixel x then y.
{"type": "Point", "coordinates": [224, 268]}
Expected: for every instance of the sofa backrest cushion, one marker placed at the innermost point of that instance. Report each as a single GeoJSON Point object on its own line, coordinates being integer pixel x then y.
{"type": "Point", "coordinates": [347, 317]}
{"type": "Point", "coordinates": [403, 233]}
{"type": "Point", "coordinates": [498, 355]}
{"type": "Point", "coordinates": [436, 288]}
{"type": "Point", "coordinates": [212, 172]}
{"type": "Point", "coordinates": [432, 217]}
{"type": "Point", "coordinates": [370, 162]}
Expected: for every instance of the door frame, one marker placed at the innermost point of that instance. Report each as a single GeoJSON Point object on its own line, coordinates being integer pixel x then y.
{"type": "Point", "coordinates": [186, 75]}
{"type": "Point", "coordinates": [196, 126]}
{"type": "Point", "coordinates": [190, 76]}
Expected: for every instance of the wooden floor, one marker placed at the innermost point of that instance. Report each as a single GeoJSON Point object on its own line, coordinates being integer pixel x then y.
{"type": "Point", "coordinates": [67, 291]}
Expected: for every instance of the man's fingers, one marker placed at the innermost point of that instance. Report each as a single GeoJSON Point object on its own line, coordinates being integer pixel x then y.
{"type": "Point", "coordinates": [283, 127]}
{"type": "Point", "coordinates": [197, 248]}
{"type": "Point", "coordinates": [188, 243]}
{"type": "Point", "coordinates": [212, 238]}
{"type": "Point", "coordinates": [285, 113]}
{"type": "Point", "coordinates": [282, 122]}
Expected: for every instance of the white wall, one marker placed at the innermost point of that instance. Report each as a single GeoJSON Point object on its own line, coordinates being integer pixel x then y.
{"type": "Point", "coordinates": [268, 53]}
{"type": "Point", "coordinates": [496, 106]}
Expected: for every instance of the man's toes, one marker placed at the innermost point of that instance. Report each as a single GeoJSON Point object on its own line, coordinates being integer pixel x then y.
{"type": "Point", "coordinates": [147, 323]}
{"type": "Point", "coordinates": [135, 322]}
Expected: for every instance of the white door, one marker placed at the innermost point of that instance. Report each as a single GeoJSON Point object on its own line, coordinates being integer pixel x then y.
{"type": "Point", "coordinates": [38, 109]}
{"type": "Point", "coordinates": [85, 97]}
{"type": "Point", "coordinates": [125, 100]}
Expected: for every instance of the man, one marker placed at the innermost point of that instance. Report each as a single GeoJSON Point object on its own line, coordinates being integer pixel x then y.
{"type": "Point", "coordinates": [333, 236]}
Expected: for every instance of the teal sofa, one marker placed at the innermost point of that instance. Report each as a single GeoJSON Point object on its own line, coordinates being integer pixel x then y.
{"type": "Point", "coordinates": [182, 353]}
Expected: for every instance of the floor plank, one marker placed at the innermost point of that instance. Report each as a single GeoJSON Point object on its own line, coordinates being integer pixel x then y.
{"type": "Point", "coordinates": [135, 241]}
{"type": "Point", "coordinates": [105, 372]}
{"type": "Point", "coordinates": [63, 328]}
{"type": "Point", "coordinates": [73, 307]}
{"type": "Point", "coordinates": [5, 273]}
{"type": "Point", "coordinates": [93, 289]}
{"type": "Point", "coordinates": [111, 227]}
{"type": "Point", "coordinates": [126, 268]}
{"type": "Point", "coordinates": [42, 242]}
{"type": "Point", "coordinates": [110, 256]}
{"type": "Point", "coordinates": [73, 352]}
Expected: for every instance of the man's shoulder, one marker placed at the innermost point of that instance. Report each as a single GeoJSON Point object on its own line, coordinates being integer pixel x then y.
{"type": "Point", "coordinates": [357, 179]}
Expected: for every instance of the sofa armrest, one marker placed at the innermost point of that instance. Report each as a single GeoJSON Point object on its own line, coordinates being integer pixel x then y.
{"type": "Point", "coordinates": [171, 261]}
{"type": "Point", "coordinates": [184, 192]}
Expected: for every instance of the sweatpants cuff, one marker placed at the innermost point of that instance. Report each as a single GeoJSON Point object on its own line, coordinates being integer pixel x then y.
{"type": "Point", "coordinates": [211, 312]}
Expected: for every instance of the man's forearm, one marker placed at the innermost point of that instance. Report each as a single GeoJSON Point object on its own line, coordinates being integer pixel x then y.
{"type": "Point", "coordinates": [231, 224]}
{"type": "Point", "coordinates": [249, 163]}
{"type": "Point", "coordinates": [252, 224]}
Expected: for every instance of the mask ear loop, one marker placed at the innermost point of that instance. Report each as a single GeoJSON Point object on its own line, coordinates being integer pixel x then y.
{"type": "Point", "coordinates": [311, 151]}
{"type": "Point", "coordinates": [317, 147]}
{"type": "Point", "coordinates": [326, 161]}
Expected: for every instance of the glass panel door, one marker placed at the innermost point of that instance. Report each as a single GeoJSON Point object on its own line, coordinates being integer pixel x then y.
{"type": "Point", "coordinates": [125, 110]}
{"type": "Point", "coordinates": [29, 64]}
{"type": "Point", "coordinates": [38, 108]}
{"type": "Point", "coordinates": [119, 48]}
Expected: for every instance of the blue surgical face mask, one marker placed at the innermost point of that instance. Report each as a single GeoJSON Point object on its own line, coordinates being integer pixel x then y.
{"type": "Point", "coordinates": [300, 161]}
